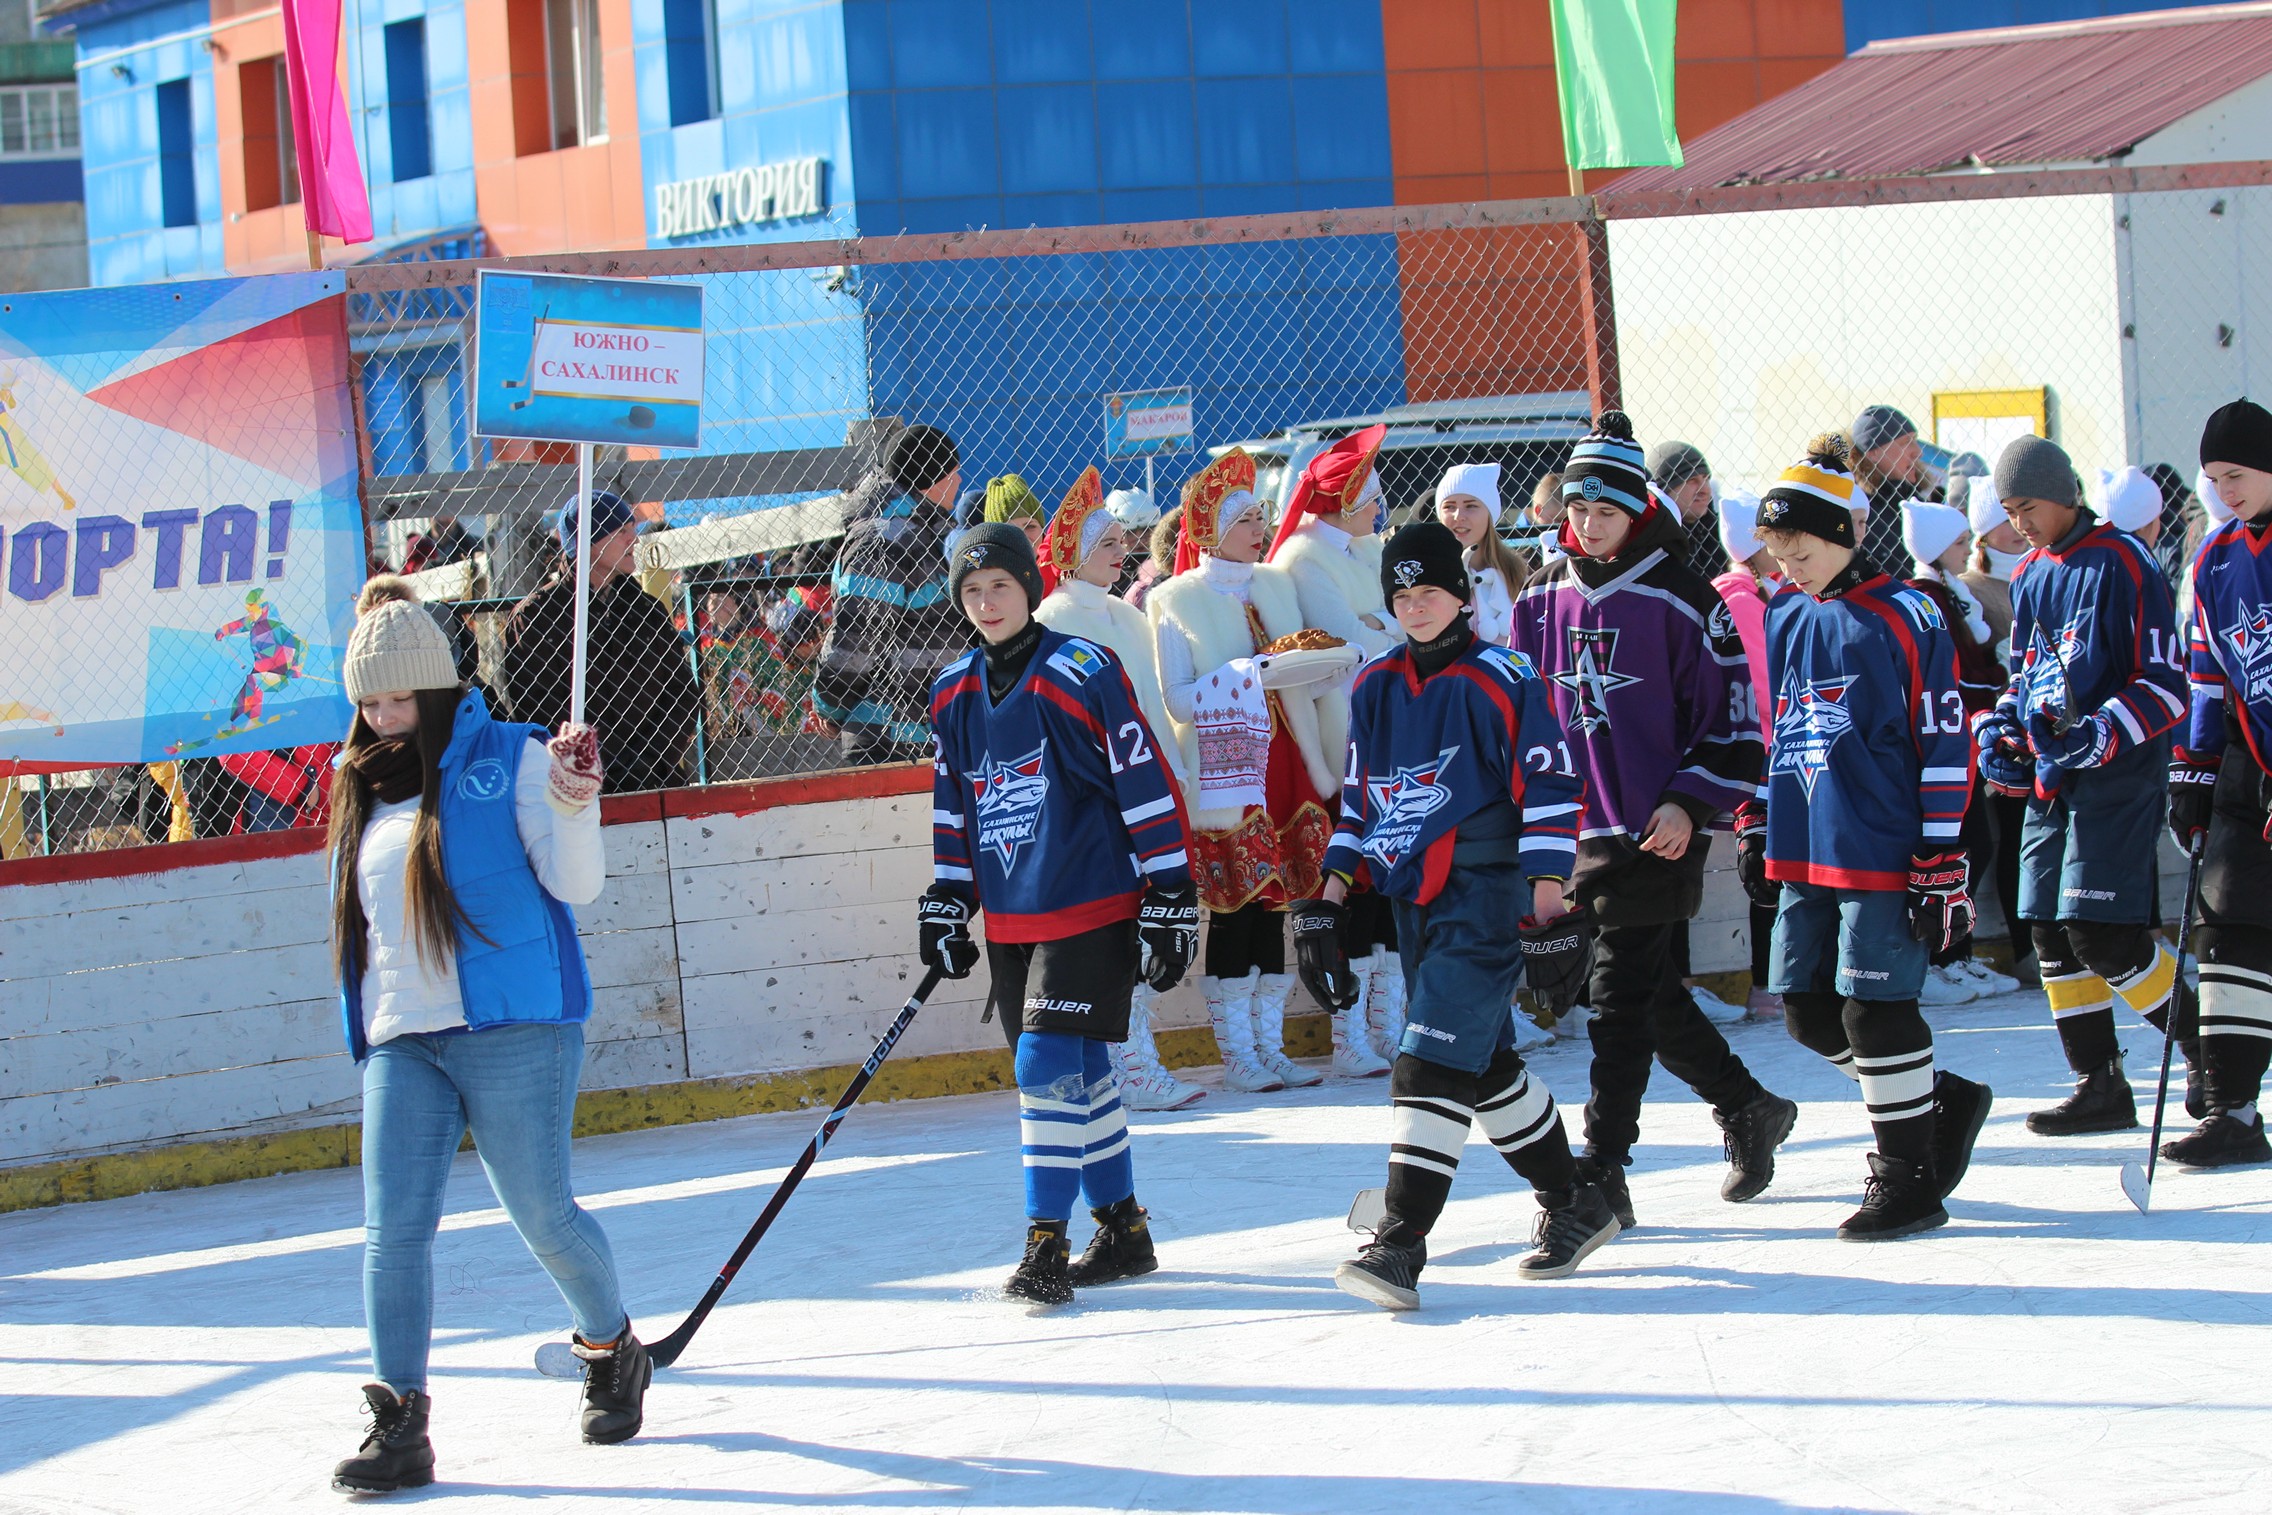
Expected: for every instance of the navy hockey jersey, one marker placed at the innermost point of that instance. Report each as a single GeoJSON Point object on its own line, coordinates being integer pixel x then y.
{"type": "Point", "coordinates": [2093, 629]}
{"type": "Point", "coordinates": [1427, 756]}
{"type": "Point", "coordinates": [1051, 810]}
{"type": "Point", "coordinates": [2230, 659]}
{"type": "Point", "coordinates": [1871, 758]}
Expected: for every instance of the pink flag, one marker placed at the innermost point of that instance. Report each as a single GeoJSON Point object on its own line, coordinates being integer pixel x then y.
{"type": "Point", "coordinates": [331, 177]}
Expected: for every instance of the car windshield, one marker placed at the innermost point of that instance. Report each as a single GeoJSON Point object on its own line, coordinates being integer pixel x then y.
{"type": "Point", "coordinates": [1409, 474]}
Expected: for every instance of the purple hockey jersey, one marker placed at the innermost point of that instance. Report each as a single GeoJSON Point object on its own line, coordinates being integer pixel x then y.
{"type": "Point", "coordinates": [1650, 679]}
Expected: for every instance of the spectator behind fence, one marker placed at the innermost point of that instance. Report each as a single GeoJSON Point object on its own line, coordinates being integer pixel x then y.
{"type": "Point", "coordinates": [1686, 478]}
{"type": "Point", "coordinates": [1546, 512]}
{"type": "Point", "coordinates": [1889, 464]}
{"type": "Point", "coordinates": [1159, 558]}
{"type": "Point", "coordinates": [894, 627]}
{"type": "Point", "coordinates": [639, 693]}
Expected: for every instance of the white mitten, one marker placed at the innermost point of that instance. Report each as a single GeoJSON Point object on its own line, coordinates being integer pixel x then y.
{"type": "Point", "coordinates": [574, 782]}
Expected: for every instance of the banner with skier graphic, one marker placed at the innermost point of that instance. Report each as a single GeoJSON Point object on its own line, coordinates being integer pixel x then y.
{"type": "Point", "coordinates": [180, 535]}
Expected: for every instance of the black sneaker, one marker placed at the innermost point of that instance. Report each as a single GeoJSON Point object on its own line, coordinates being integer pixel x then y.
{"type": "Point", "coordinates": [1386, 1270]}
{"type": "Point", "coordinates": [1960, 1109]}
{"type": "Point", "coordinates": [616, 1376]}
{"type": "Point", "coordinates": [1898, 1198]}
{"type": "Point", "coordinates": [1122, 1247]}
{"type": "Point", "coordinates": [1751, 1136]}
{"type": "Point", "coordinates": [1606, 1172]}
{"type": "Point", "coordinates": [395, 1453]}
{"type": "Point", "coordinates": [2102, 1101]}
{"type": "Point", "coordinates": [1043, 1277]}
{"type": "Point", "coordinates": [2220, 1141]}
{"type": "Point", "coordinates": [1573, 1223]}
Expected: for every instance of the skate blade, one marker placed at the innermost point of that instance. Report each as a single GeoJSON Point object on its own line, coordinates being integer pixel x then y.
{"type": "Point", "coordinates": [1369, 1210]}
{"type": "Point", "coordinates": [556, 1359]}
{"type": "Point", "coordinates": [2139, 1187]}
{"type": "Point", "coordinates": [1351, 1279]}
{"type": "Point", "coordinates": [1592, 1245]}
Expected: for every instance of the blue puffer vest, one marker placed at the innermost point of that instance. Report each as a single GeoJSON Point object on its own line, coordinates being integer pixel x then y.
{"type": "Point", "coordinates": [521, 961]}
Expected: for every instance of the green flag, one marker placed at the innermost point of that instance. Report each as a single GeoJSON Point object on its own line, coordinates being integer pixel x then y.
{"type": "Point", "coordinates": [1613, 69]}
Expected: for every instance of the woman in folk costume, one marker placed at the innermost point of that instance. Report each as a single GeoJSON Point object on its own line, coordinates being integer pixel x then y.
{"type": "Point", "coordinates": [1081, 557]}
{"type": "Point", "coordinates": [1246, 724]}
{"type": "Point", "coordinates": [1328, 545]}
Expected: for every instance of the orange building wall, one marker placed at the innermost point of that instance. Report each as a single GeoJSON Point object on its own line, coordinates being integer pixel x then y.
{"type": "Point", "coordinates": [584, 198]}
{"type": "Point", "coordinates": [1473, 116]}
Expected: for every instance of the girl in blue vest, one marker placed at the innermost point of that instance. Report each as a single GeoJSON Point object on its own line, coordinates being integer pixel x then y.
{"type": "Point", "coordinates": [457, 845]}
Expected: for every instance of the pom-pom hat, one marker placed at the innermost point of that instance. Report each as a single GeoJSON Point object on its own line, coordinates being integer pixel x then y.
{"type": "Point", "coordinates": [1814, 496]}
{"type": "Point", "coordinates": [396, 644]}
{"type": "Point", "coordinates": [1609, 465]}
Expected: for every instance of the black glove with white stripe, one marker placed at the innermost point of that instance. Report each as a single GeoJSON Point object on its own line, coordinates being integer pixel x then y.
{"type": "Point", "coordinates": [1555, 954]}
{"type": "Point", "coordinates": [942, 932]}
{"type": "Point", "coordinates": [1167, 934]}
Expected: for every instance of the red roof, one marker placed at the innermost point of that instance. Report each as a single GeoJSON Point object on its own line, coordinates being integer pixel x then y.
{"type": "Point", "coordinates": [2074, 92]}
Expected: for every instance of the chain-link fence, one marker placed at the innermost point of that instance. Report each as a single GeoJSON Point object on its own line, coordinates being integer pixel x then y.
{"type": "Point", "coordinates": [2109, 309]}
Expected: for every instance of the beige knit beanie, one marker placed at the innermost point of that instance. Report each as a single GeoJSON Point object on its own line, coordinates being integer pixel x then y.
{"type": "Point", "coordinates": [396, 643]}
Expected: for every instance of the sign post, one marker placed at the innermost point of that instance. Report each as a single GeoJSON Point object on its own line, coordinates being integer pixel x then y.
{"type": "Point", "coordinates": [587, 361]}
{"type": "Point", "coordinates": [1144, 423]}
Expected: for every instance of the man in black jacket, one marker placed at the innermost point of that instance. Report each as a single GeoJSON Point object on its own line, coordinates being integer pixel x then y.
{"type": "Point", "coordinates": [639, 689]}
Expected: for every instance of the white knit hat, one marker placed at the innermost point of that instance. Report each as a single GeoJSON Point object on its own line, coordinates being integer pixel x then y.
{"type": "Point", "coordinates": [1928, 530]}
{"type": "Point", "coordinates": [1479, 481]}
{"type": "Point", "coordinates": [396, 644]}
{"type": "Point", "coordinates": [1985, 508]}
{"type": "Point", "coordinates": [2132, 501]}
{"type": "Point", "coordinates": [2212, 502]}
{"type": "Point", "coordinates": [1739, 514]}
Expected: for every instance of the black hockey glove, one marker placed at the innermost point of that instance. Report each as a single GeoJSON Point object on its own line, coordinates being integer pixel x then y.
{"type": "Point", "coordinates": [2192, 784]}
{"type": "Point", "coordinates": [1940, 906]}
{"type": "Point", "coordinates": [1751, 856]}
{"type": "Point", "coordinates": [1167, 934]}
{"type": "Point", "coordinates": [942, 932]}
{"type": "Point", "coordinates": [2007, 764]}
{"type": "Point", "coordinates": [1318, 953]}
{"type": "Point", "coordinates": [1555, 954]}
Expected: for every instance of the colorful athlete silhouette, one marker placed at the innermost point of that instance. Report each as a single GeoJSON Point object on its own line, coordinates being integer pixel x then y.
{"type": "Point", "coordinates": [16, 710]}
{"type": "Point", "coordinates": [24, 459]}
{"type": "Point", "coordinates": [277, 653]}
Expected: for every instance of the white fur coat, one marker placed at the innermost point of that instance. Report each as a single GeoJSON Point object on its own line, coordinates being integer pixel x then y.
{"type": "Point", "coordinates": [1083, 610]}
{"type": "Point", "coordinates": [1335, 587]}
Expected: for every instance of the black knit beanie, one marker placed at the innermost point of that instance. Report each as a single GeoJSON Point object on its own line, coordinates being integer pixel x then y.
{"type": "Point", "coordinates": [1608, 465]}
{"type": "Point", "coordinates": [2238, 433]}
{"type": "Point", "coordinates": [1813, 497]}
{"type": "Point", "coordinates": [994, 544]}
{"type": "Point", "coordinates": [921, 457]}
{"type": "Point", "coordinates": [1425, 552]}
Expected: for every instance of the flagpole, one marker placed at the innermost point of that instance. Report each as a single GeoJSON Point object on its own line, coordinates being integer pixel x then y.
{"type": "Point", "coordinates": [315, 248]}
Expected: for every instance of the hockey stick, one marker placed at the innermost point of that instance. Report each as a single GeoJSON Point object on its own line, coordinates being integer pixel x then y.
{"type": "Point", "coordinates": [556, 1359]}
{"type": "Point", "coordinates": [2138, 1179]}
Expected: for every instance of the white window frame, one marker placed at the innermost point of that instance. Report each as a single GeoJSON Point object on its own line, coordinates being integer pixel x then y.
{"type": "Point", "coordinates": [63, 105]}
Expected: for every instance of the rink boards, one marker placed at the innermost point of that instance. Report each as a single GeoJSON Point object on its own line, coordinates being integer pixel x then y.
{"type": "Point", "coordinates": [168, 1017]}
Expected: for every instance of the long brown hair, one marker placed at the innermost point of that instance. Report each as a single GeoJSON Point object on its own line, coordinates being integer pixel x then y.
{"type": "Point", "coordinates": [429, 904]}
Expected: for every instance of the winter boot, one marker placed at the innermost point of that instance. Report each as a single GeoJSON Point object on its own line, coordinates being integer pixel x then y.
{"type": "Point", "coordinates": [2196, 1081]}
{"type": "Point", "coordinates": [1897, 1198]}
{"type": "Point", "coordinates": [1386, 1270]}
{"type": "Point", "coordinates": [1353, 1044]}
{"type": "Point", "coordinates": [2223, 1140]}
{"type": "Point", "coordinates": [1384, 1008]}
{"type": "Point", "coordinates": [615, 1388]}
{"type": "Point", "coordinates": [1270, 996]}
{"type": "Point", "coordinates": [1145, 1082]}
{"type": "Point", "coordinates": [1960, 1109]}
{"type": "Point", "coordinates": [2101, 1102]}
{"type": "Point", "coordinates": [1751, 1136]}
{"type": "Point", "coordinates": [395, 1452]}
{"type": "Point", "coordinates": [1573, 1223]}
{"type": "Point", "coordinates": [1122, 1247]}
{"type": "Point", "coordinates": [1606, 1172]}
{"type": "Point", "coordinates": [1043, 1277]}
{"type": "Point", "coordinates": [1230, 1006]}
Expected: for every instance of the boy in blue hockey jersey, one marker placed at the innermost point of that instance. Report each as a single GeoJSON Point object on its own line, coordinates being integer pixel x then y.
{"type": "Point", "coordinates": [1053, 813]}
{"type": "Point", "coordinates": [1857, 843]}
{"type": "Point", "coordinates": [2084, 731]}
{"type": "Point", "coordinates": [2221, 788]}
{"type": "Point", "coordinates": [1461, 802]}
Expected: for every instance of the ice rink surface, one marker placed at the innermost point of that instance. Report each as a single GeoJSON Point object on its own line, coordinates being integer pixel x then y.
{"type": "Point", "coordinates": [2051, 1349]}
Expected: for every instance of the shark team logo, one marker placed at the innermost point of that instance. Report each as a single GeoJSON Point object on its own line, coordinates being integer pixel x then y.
{"type": "Point", "coordinates": [1407, 572]}
{"type": "Point", "coordinates": [1592, 677]}
{"type": "Point", "coordinates": [1590, 487]}
{"type": "Point", "coordinates": [1809, 720]}
{"type": "Point", "coordinates": [2250, 637]}
{"type": "Point", "coordinates": [1010, 796]}
{"type": "Point", "coordinates": [1401, 805]}
{"type": "Point", "coordinates": [2043, 670]}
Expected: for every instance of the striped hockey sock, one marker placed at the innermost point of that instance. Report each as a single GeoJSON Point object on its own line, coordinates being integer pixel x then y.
{"type": "Point", "coordinates": [1893, 1058]}
{"type": "Point", "coordinates": [2236, 1031]}
{"type": "Point", "coordinates": [1053, 1119]}
{"type": "Point", "coordinates": [1520, 1117]}
{"type": "Point", "coordinates": [2147, 990]}
{"type": "Point", "coordinates": [2082, 1011]}
{"type": "Point", "coordinates": [1431, 1108]}
{"type": "Point", "coordinates": [1108, 1173]}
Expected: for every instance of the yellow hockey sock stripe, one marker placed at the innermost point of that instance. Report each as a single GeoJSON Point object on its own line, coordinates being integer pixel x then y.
{"type": "Point", "coordinates": [2077, 993]}
{"type": "Point", "coordinates": [2148, 989]}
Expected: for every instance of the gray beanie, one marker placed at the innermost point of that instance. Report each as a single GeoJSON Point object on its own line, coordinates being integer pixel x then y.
{"type": "Point", "coordinates": [2031, 468]}
{"type": "Point", "coordinates": [995, 544]}
{"type": "Point", "coordinates": [1673, 464]}
{"type": "Point", "coordinates": [396, 644]}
